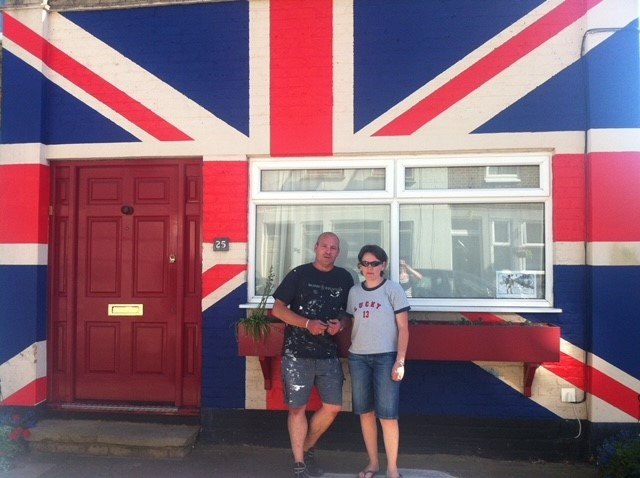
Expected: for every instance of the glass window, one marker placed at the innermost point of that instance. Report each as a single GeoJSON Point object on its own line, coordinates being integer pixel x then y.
{"type": "Point", "coordinates": [449, 250]}
{"type": "Point", "coordinates": [472, 177]}
{"type": "Point", "coordinates": [323, 180]}
{"type": "Point", "coordinates": [286, 235]}
{"type": "Point", "coordinates": [461, 232]}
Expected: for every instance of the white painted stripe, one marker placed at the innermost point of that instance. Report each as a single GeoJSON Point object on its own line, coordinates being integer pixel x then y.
{"type": "Point", "coordinates": [613, 253]}
{"type": "Point", "coordinates": [343, 75]}
{"type": "Point", "coordinates": [23, 254]}
{"type": "Point", "coordinates": [603, 412]}
{"type": "Point", "coordinates": [573, 351]}
{"type": "Point", "coordinates": [26, 153]}
{"type": "Point", "coordinates": [224, 290]}
{"type": "Point", "coordinates": [255, 395]}
{"type": "Point", "coordinates": [23, 368]}
{"type": "Point", "coordinates": [569, 253]}
{"type": "Point", "coordinates": [614, 139]}
{"type": "Point", "coordinates": [546, 392]}
{"type": "Point", "coordinates": [237, 254]}
{"type": "Point", "coordinates": [260, 76]}
{"type": "Point", "coordinates": [212, 158]}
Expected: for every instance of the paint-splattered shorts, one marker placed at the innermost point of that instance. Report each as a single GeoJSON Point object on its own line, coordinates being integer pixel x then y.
{"type": "Point", "coordinates": [299, 375]}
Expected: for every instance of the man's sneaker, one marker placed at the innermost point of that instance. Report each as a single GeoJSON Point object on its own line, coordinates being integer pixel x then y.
{"type": "Point", "coordinates": [310, 460]}
{"type": "Point", "coordinates": [300, 470]}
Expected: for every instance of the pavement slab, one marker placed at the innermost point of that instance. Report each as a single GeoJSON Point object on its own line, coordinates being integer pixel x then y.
{"type": "Point", "coordinates": [248, 461]}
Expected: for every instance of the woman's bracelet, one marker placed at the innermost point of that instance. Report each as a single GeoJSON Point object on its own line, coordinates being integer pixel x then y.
{"type": "Point", "coordinates": [400, 362]}
{"type": "Point", "coordinates": [306, 326]}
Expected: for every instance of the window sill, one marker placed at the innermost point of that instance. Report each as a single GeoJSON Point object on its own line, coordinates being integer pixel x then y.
{"type": "Point", "coordinates": [491, 309]}
{"type": "Point", "coordinates": [455, 308]}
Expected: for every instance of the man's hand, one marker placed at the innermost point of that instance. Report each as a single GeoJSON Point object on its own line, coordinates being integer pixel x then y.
{"type": "Point", "coordinates": [316, 327]}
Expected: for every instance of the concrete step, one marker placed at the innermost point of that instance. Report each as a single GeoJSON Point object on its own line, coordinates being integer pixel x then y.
{"type": "Point", "coordinates": [118, 438]}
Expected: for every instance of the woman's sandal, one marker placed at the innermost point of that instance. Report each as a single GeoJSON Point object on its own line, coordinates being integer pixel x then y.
{"type": "Point", "coordinates": [367, 473]}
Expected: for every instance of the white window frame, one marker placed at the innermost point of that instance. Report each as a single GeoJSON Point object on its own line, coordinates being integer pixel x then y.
{"type": "Point", "coordinates": [395, 195]}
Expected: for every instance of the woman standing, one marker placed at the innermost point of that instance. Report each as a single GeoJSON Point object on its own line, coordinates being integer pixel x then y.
{"type": "Point", "coordinates": [376, 357]}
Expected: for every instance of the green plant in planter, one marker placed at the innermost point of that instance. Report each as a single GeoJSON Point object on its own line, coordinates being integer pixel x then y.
{"type": "Point", "coordinates": [257, 324]}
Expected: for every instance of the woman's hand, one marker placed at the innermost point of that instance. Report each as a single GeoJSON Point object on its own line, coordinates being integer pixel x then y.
{"type": "Point", "coordinates": [334, 326]}
{"type": "Point", "coordinates": [397, 373]}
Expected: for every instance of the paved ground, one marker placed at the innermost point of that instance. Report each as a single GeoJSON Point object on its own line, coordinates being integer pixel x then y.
{"type": "Point", "coordinates": [241, 461]}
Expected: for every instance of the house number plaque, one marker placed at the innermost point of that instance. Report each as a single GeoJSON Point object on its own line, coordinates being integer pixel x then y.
{"type": "Point", "coordinates": [221, 244]}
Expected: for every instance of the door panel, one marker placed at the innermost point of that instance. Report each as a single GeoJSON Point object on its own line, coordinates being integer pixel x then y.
{"type": "Point", "coordinates": [127, 232]}
{"type": "Point", "coordinates": [146, 255]}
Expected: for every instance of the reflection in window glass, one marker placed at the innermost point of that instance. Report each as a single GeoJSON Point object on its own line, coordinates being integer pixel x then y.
{"type": "Point", "coordinates": [370, 179]}
{"type": "Point", "coordinates": [474, 250]}
{"type": "Point", "coordinates": [472, 177]}
{"type": "Point", "coordinates": [286, 235]}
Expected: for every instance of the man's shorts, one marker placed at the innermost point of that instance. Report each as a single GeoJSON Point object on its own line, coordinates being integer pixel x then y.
{"type": "Point", "coordinates": [299, 375]}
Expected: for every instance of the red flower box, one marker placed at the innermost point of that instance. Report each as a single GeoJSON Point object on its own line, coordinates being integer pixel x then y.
{"type": "Point", "coordinates": [529, 343]}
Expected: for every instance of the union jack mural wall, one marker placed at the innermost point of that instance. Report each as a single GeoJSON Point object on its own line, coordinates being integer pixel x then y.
{"type": "Point", "coordinates": [230, 81]}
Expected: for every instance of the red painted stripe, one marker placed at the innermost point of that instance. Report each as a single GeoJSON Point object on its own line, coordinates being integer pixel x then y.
{"type": "Point", "coordinates": [301, 77]}
{"type": "Point", "coordinates": [601, 386]}
{"type": "Point", "coordinates": [219, 275]}
{"type": "Point", "coordinates": [24, 202]}
{"type": "Point", "coordinates": [614, 181]}
{"type": "Point", "coordinates": [226, 207]}
{"type": "Point", "coordinates": [29, 395]}
{"type": "Point", "coordinates": [90, 82]}
{"type": "Point", "coordinates": [486, 68]}
{"type": "Point", "coordinates": [569, 198]}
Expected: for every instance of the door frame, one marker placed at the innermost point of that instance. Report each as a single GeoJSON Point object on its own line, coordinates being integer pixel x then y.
{"type": "Point", "coordinates": [63, 260]}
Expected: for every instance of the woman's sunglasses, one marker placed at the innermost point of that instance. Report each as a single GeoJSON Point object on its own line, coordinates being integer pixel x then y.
{"type": "Point", "coordinates": [370, 264]}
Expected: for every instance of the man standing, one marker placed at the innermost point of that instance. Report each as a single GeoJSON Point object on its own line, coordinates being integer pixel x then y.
{"type": "Point", "coordinates": [311, 300]}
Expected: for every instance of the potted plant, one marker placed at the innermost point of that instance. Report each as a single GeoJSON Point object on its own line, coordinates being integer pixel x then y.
{"type": "Point", "coordinates": [257, 325]}
{"type": "Point", "coordinates": [259, 334]}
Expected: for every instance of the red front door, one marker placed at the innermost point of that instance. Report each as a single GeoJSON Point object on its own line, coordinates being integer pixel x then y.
{"type": "Point", "coordinates": [127, 320]}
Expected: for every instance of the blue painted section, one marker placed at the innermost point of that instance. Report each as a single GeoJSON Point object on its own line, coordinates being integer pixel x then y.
{"type": "Point", "coordinates": [559, 104]}
{"type": "Point", "coordinates": [223, 371]}
{"type": "Point", "coordinates": [400, 46]}
{"type": "Point", "coordinates": [201, 50]}
{"type": "Point", "coordinates": [614, 81]}
{"type": "Point", "coordinates": [570, 292]}
{"type": "Point", "coordinates": [462, 389]}
{"type": "Point", "coordinates": [556, 105]}
{"type": "Point", "coordinates": [68, 120]}
{"type": "Point", "coordinates": [21, 101]}
{"type": "Point", "coordinates": [616, 328]}
{"type": "Point", "coordinates": [23, 302]}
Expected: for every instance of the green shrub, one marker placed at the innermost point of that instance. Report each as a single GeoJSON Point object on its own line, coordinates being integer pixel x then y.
{"type": "Point", "coordinates": [619, 456]}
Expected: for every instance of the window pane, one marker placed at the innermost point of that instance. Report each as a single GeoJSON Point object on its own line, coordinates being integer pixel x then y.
{"type": "Point", "coordinates": [470, 250]}
{"type": "Point", "coordinates": [286, 235]}
{"type": "Point", "coordinates": [367, 179]}
{"type": "Point", "coordinates": [472, 177]}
